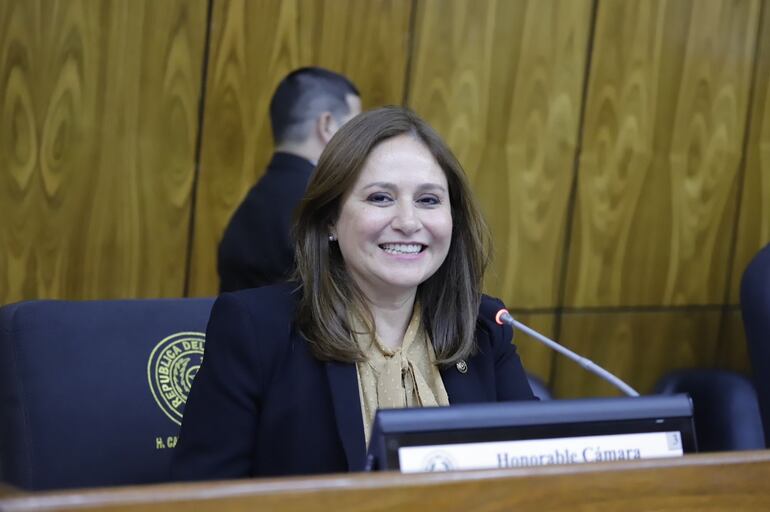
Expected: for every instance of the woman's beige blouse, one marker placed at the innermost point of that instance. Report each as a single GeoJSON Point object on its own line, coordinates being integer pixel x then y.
{"type": "Point", "coordinates": [404, 377]}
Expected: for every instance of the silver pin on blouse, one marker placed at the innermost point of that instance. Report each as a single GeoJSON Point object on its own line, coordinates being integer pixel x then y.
{"type": "Point", "coordinates": [462, 366]}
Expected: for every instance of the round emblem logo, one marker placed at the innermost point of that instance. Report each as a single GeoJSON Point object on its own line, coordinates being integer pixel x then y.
{"type": "Point", "coordinates": [438, 461]}
{"type": "Point", "coordinates": [173, 364]}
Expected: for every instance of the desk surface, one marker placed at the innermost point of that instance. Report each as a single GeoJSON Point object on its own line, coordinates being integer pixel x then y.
{"type": "Point", "coordinates": [737, 480]}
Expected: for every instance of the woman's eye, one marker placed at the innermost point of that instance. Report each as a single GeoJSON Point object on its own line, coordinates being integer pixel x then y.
{"type": "Point", "coordinates": [378, 198]}
{"type": "Point", "coordinates": [429, 200]}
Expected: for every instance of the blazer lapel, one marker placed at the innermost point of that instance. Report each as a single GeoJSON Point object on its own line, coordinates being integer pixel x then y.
{"type": "Point", "coordinates": [460, 388]}
{"type": "Point", "coordinates": [468, 386]}
{"type": "Point", "coordinates": [343, 382]}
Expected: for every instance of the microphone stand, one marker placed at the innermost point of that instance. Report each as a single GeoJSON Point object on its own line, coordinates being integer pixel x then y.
{"type": "Point", "coordinates": [503, 316]}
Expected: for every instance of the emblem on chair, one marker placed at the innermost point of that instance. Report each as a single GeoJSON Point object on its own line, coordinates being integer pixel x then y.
{"type": "Point", "coordinates": [173, 364]}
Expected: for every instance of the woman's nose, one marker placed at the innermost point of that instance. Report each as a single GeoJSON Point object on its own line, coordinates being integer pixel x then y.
{"type": "Point", "coordinates": [406, 219]}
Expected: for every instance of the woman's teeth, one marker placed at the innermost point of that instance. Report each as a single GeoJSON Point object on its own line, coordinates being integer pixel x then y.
{"type": "Point", "coordinates": [402, 248]}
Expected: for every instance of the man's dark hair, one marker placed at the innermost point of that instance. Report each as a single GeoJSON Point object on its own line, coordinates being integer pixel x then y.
{"type": "Point", "coordinates": [302, 96]}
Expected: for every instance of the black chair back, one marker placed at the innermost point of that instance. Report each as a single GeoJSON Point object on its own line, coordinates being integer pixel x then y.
{"type": "Point", "coordinates": [755, 308]}
{"type": "Point", "coordinates": [539, 387]}
{"type": "Point", "coordinates": [726, 411]}
{"type": "Point", "coordinates": [92, 392]}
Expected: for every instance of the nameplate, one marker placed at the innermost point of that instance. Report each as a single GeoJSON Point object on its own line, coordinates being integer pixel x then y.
{"type": "Point", "coordinates": [540, 452]}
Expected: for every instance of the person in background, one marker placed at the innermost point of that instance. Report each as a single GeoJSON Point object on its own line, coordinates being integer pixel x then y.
{"type": "Point", "coordinates": [385, 310]}
{"type": "Point", "coordinates": [308, 107]}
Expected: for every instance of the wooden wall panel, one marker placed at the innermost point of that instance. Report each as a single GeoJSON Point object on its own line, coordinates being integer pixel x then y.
{"type": "Point", "coordinates": [662, 142]}
{"type": "Point", "coordinates": [254, 45]}
{"type": "Point", "coordinates": [536, 357]}
{"type": "Point", "coordinates": [754, 226]}
{"type": "Point", "coordinates": [732, 353]}
{"type": "Point", "coordinates": [638, 347]}
{"type": "Point", "coordinates": [98, 118]}
{"type": "Point", "coordinates": [502, 82]}
{"type": "Point", "coordinates": [99, 108]}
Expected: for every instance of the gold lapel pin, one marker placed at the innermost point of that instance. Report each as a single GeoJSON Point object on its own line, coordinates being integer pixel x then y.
{"type": "Point", "coordinates": [462, 366]}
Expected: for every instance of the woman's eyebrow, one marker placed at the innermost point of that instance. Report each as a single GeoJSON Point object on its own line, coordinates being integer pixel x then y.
{"type": "Point", "coordinates": [431, 186]}
{"type": "Point", "coordinates": [380, 184]}
{"type": "Point", "coordinates": [391, 186]}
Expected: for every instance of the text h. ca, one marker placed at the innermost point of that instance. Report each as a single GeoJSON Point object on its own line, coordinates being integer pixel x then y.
{"type": "Point", "coordinates": [161, 443]}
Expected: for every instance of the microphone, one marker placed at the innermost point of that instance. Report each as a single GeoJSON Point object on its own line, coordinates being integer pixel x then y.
{"type": "Point", "coordinates": [504, 317]}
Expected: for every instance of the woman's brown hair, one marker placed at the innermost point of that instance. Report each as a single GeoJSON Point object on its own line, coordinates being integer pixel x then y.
{"type": "Point", "coordinates": [449, 299]}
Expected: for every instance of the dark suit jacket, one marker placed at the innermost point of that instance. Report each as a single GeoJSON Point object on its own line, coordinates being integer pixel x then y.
{"type": "Point", "coordinates": [257, 248]}
{"type": "Point", "coordinates": [262, 404]}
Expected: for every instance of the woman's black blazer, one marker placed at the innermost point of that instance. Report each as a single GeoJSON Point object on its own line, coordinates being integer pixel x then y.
{"type": "Point", "coordinates": [263, 405]}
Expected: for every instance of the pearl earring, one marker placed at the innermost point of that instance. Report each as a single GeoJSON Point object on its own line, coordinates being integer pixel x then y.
{"type": "Point", "coordinates": [332, 237]}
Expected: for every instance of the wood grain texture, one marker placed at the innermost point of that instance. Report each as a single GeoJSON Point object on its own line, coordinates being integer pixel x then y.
{"type": "Point", "coordinates": [254, 45]}
{"type": "Point", "coordinates": [502, 82]}
{"type": "Point", "coordinates": [662, 141]}
{"type": "Point", "coordinates": [713, 482]}
{"type": "Point", "coordinates": [754, 224]}
{"type": "Point", "coordinates": [98, 116]}
{"type": "Point", "coordinates": [637, 347]}
{"type": "Point", "coordinates": [732, 351]}
{"type": "Point", "coordinates": [536, 357]}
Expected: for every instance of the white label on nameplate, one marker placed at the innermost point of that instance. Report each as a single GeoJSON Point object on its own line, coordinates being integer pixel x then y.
{"type": "Point", "coordinates": [540, 452]}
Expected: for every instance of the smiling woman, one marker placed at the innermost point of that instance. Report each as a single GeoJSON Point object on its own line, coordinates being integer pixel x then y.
{"type": "Point", "coordinates": [385, 311]}
{"type": "Point", "coordinates": [389, 178]}
{"type": "Point", "coordinates": [395, 224]}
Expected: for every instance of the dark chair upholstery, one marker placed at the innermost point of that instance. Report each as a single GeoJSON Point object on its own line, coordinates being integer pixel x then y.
{"type": "Point", "coordinates": [725, 406]}
{"type": "Point", "coordinates": [755, 308]}
{"type": "Point", "coordinates": [539, 388]}
{"type": "Point", "coordinates": [91, 392]}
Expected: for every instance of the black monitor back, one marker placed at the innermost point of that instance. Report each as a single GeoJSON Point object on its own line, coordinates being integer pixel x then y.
{"type": "Point", "coordinates": [508, 421]}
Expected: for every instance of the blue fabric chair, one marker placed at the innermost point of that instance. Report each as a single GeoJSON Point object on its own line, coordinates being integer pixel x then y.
{"type": "Point", "coordinates": [726, 411]}
{"type": "Point", "coordinates": [92, 392]}
{"type": "Point", "coordinates": [539, 387]}
{"type": "Point", "coordinates": [755, 308]}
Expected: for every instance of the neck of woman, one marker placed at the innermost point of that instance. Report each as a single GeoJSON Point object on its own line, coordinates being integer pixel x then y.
{"type": "Point", "coordinates": [391, 318]}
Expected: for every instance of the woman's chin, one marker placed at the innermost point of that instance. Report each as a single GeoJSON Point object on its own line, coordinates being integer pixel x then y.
{"type": "Point", "coordinates": [403, 284]}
